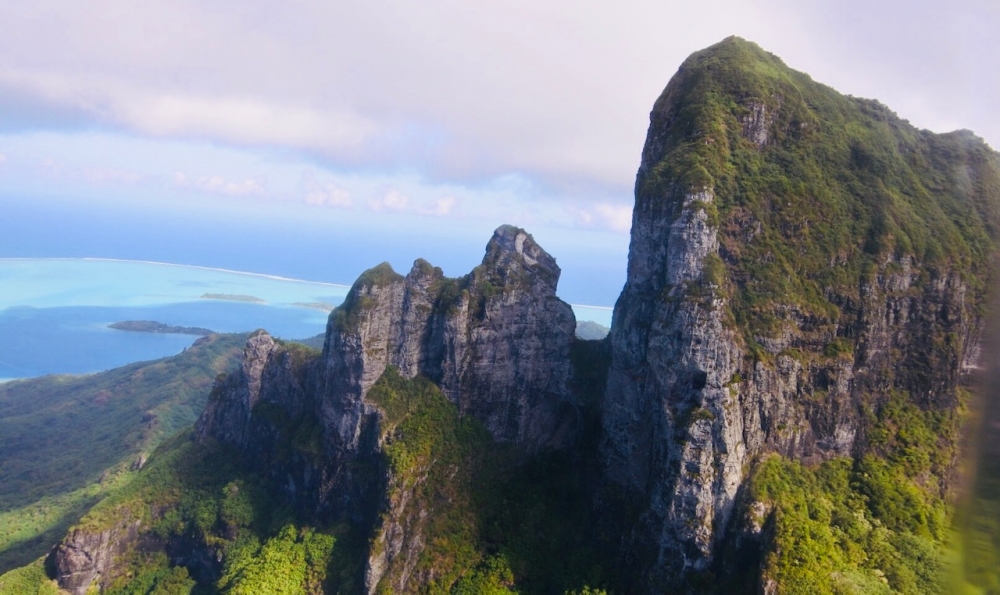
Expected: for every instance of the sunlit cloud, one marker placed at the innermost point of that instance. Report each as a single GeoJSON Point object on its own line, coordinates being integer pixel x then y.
{"type": "Point", "coordinates": [108, 175]}
{"type": "Point", "coordinates": [218, 185]}
{"type": "Point", "coordinates": [561, 102]}
{"type": "Point", "coordinates": [442, 207]}
{"type": "Point", "coordinates": [616, 217]}
{"type": "Point", "coordinates": [329, 195]}
{"type": "Point", "coordinates": [392, 200]}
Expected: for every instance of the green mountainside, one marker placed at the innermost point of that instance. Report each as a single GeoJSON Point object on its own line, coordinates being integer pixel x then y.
{"type": "Point", "coordinates": [840, 193]}
{"type": "Point", "coordinates": [65, 441]}
{"type": "Point", "coordinates": [837, 261]}
{"type": "Point", "coordinates": [815, 190]}
{"type": "Point", "coordinates": [495, 514]}
{"type": "Point", "coordinates": [807, 290]}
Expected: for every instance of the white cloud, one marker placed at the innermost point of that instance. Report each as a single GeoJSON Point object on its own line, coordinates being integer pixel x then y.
{"type": "Point", "coordinates": [584, 218]}
{"type": "Point", "coordinates": [397, 202]}
{"type": "Point", "coordinates": [616, 217]}
{"type": "Point", "coordinates": [3, 158]}
{"type": "Point", "coordinates": [329, 195]}
{"type": "Point", "coordinates": [218, 185]}
{"type": "Point", "coordinates": [392, 200]}
{"type": "Point", "coordinates": [442, 207]}
{"type": "Point", "coordinates": [532, 90]}
{"type": "Point", "coordinates": [247, 121]}
{"type": "Point", "coordinates": [110, 175]}
{"type": "Point", "coordinates": [557, 92]}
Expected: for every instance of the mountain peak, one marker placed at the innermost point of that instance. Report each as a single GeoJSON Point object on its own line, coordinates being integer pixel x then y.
{"type": "Point", "coordinates": [514, 253]}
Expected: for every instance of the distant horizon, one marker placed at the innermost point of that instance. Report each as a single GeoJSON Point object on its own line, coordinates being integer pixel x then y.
{"type": "Point", "coordinates": [292, 242]}
{"type": "Point", "coordinates": [174, 264]}
{"type": "Point", "coordinates": [222, 270]}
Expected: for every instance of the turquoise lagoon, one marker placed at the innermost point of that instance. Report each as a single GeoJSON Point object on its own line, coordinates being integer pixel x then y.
{"type": "Point", "coordinates": [55, 312]}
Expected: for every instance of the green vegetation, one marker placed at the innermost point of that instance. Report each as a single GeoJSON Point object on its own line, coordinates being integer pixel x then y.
{"type": "Point", "coordinates": [28, 580]}
{"type": "Point", "coordinates": [841, 186]}
{"type": "Point", "coordinates": [877, 524]}
{"type": "Point", "coordinates": [493, 519]}
{"type": "Point", "coordinates": [512, 522]}
{"type": "Point", "coordinates": [851, 528]}
{"type": "Point", "coordinates": [493, 577]}
{"type": "Point", "coordinates": [114, 417]}
{"type": "Point", "coordinates": [315, 342]}
{"type": "Point", "coordinates": [197, 493]}
{"type": "Point", "coordinates": [291, 562]}
{"type": "Point", "coordinates": [149, 326]}
{"type": "Point", "coordinates": [347, 315]}
{"type": "Point", "coordinates": [150, 574]}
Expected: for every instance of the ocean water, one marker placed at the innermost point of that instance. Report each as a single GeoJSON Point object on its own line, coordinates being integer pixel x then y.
{"type": "Point", "coordinates": [57, 282]}
{"type": "Point", "coordinates": [299, 242]}
{"type": "Point", "coordinates": [55, 312]}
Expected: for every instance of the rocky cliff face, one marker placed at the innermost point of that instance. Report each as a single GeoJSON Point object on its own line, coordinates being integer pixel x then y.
{"type": "Point", "coordinates": [84, 558]}
{"type": "Point", "coordinates": [711, 368]}
{"type": "Point", "coordinates": [496, 342]}
{"type": "Point", "coordinates": [806, 287]}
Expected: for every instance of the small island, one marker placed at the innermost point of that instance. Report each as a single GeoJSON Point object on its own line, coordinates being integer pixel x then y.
{"type": "Point", "coordinates": [149, 326]}
{"type": "Point", "coordinates": [591, 331]}
{"type": "Point", "coordinates": [232, 297]}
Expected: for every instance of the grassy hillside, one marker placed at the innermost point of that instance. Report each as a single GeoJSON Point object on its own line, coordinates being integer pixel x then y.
{"type": "Point", "coordinates": [67, 440]}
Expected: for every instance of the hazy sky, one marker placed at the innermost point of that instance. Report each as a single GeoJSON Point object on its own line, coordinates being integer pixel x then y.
{"type": "Point", "coordinates": [454, 114]}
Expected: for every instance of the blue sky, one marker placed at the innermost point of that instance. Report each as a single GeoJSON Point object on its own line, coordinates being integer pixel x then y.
{"type": "Point", "coordinates": [439, 118]}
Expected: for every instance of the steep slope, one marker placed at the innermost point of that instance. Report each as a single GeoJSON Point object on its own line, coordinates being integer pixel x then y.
{"type": "Point", "coordinates": [496, 343]}
{"type": "Point", "coordinates": [777, 408]}
{"type": "Point", "coordinates": [66, 440]}
{"type": "Point", "coordinates": [806, 277]}
{"type": "Point", "coordinates": [425, 388]}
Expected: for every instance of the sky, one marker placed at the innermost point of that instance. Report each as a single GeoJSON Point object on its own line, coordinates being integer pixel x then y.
{"type": "Point", "coordinates": [419, 120]}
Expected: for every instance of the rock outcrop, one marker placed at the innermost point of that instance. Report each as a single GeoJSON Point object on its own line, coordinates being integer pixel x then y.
{"type": "Point", "coordinates": [85, 557]}
{"type": "Point", "coordinates": [701, 384]}
{"type": "Point", "coordinates": [803, 266]}
{"type": "Point", "coordinates": [496, 342]}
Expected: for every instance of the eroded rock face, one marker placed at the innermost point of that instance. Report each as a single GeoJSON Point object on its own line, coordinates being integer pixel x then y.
{"type": "Point", "coordinates": [229, 418]}
{"type": "Point", "coordinates": [497, 343]}
{"type": "Point", "coordinates": [673, 429]}
{"type": "Point", "coordinates": [690, 405]}
{"type": "Point", "coordinates": [687, 409]}
{"type": "Point", "coordinates": [84, 557]}
{"type": "Point", "coordinates": [507, 355]}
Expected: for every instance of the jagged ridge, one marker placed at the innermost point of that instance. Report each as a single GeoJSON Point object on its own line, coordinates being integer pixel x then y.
{"type": "Point", "coordinates": [497, 342]}
{"type": "Point", "coordinates": [803, 306]}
